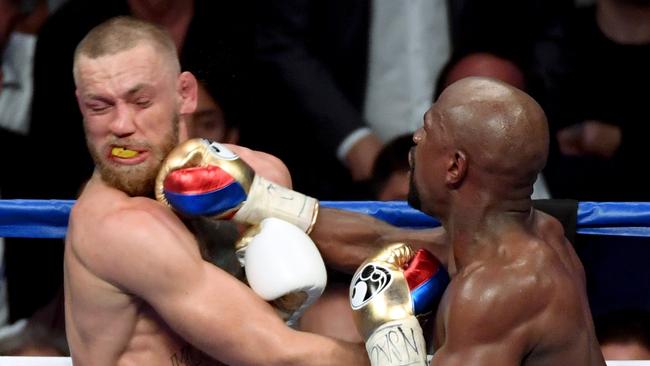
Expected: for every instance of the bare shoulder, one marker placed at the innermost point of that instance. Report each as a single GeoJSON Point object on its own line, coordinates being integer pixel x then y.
{"type": "Point", "coordinates": [111, 237]}
{"type": "Point", "coordinates": [496, 298]}
{"type": "Point", "coordinates": [549, 226]}
{"type": "Point", "coordinates": [551, 232]}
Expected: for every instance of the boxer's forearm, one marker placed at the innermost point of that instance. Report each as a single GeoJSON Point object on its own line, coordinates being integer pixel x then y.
{"type": "Point", "coordinates": [308, 349]}
{"type": "Point", "coordinates": [345, 239]}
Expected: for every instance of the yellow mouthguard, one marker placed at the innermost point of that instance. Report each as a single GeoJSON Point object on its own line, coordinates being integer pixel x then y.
{"type": "Point", "coordinates": [123, 153]}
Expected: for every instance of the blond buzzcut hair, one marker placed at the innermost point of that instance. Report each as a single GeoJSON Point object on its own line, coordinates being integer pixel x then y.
{"type": "Point", "coordinates": [124, 33]}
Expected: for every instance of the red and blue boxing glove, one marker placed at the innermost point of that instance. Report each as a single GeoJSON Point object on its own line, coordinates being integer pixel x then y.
{"type": "Point", "coordinates": [427, 281]}
{"type": "Point", "coordinates": [203, 178]}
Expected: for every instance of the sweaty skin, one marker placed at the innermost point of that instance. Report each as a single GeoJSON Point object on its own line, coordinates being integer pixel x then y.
{"type": "Point", "coordinates": [137, 289]}
{"type": "Point", "coordinates": [517, 294]}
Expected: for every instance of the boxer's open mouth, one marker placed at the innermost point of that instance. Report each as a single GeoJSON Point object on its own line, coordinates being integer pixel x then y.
{"type": "Point", "coordinates": [123, 153]}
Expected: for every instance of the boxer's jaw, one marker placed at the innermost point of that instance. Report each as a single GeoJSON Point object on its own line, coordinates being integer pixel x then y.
{"type": "Point", "coordinates": [134, 175]}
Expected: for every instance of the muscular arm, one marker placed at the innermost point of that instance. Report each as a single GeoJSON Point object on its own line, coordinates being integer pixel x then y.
{"type": "Point", "coordinates": [160, 263]}
{"type": "Point", "coordinates": [488, 318]}
{"type": "Point", "coordinates": [346, 238]}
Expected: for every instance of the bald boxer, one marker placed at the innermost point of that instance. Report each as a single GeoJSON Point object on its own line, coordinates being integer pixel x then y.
{"type": "Point", "coordinates": [517, 294]}
{"type": "Point", "coordinates": [137, 289]}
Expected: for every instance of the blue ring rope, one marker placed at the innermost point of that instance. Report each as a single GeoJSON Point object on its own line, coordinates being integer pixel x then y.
{"type": "Point", "coordinates": [28, 218]}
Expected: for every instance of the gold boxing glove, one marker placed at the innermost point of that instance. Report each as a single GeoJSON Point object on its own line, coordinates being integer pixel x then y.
{"type": "Point", "coordinates": [203, 178]}
{"type": "Point", "coordinates": [386, 293]}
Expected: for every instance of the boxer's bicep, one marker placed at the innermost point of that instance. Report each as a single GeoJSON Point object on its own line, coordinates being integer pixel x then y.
{"type": "Point", "coordinates": [222, 317]}
{"type": "Point", "coordinates": [203, 304]}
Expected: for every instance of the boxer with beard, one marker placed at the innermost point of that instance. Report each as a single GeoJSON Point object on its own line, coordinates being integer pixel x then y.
{"type": "Point", "coordinates": [137, 290]}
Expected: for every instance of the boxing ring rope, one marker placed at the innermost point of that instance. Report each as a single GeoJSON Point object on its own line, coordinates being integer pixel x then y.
{"type": "Point", "coordinates": [49, 219]}
{"type": "Point", "coordinates": [27, 218]}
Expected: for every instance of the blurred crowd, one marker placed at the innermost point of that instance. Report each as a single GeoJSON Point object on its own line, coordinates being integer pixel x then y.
{"type": "Point", "coordinates": [335, 88]}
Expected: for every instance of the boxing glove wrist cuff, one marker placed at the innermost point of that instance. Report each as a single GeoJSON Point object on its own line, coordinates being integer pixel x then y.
{"type": "Point", "coordinates": [397, 342]}
{"type": "Point", "coordinates": [267, 199]}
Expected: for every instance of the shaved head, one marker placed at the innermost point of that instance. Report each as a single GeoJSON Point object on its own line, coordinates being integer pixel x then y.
{"type": "Point", "coordinates": [124, 33]}
{"type": "Point", "coordinates": [501, 128]}
{"type": "Point", "coordinates": [482, 133]}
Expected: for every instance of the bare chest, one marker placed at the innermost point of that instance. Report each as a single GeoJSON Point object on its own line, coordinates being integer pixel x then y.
{"type": "Point", "coordinates": [154, 343]}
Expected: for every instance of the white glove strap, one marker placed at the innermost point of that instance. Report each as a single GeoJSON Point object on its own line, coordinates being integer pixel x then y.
{"type": "Point", "coordinates": [398, 342]}
{"type": "Point", "coordinates": [267, 199]}
{"type": "Point", "coordinates": [312, 294]}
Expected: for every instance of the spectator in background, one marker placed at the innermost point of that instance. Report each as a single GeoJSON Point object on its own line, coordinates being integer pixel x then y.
{"type": "Point", "coordinates": [208, 121]}
{"type": "Point", "coordinates": [348, 76]}
{"type": "Point", "coordinates": [20, 22]}
{"type": "Point", "coordinates": [17, 43]}
{"type": "Point", "coordinates": [356, 74]}
{"type": "Point", "coordinates": [624, 334]}
{"type": "Point", "coordinates": [390, 173]}
{"type": "Point", "coordinates": [598, 117]}
{"type": "Point", "coordinates": [481, 64]}
{"type": "Point", "coordinates": [8, 13]}
{"type": "Point", "coordinates": [489, 27]}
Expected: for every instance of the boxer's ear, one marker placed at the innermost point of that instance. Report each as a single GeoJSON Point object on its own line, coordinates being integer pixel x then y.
{"type": "Point", "coordinates": [187, 89]}
{"type": "Point", "coordinates": [456, 169]}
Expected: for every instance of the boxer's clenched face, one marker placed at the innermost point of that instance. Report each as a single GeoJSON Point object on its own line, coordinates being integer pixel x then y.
{"type": "Point", "coordinates": [427, 183]}
{"type": "Point", "coordinates": [131, 112]}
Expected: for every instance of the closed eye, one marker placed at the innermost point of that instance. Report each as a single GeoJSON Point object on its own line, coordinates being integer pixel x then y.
{"type": "Point", "coordinates": [98, 107]}
{"type": "Point", "coordinates": [143, 102]}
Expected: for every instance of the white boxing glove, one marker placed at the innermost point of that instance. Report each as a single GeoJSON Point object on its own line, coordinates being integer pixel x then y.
{"type": "Point", "coordinates": [283, 266]}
